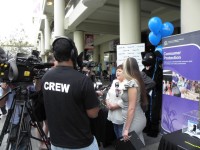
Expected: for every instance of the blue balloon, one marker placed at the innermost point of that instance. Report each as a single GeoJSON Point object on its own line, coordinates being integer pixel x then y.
{"type": "Point", "coordinates": [155, 24]}
{"type": "Point", "coordinates": [154, 39]}
{"type": "Point", "coordinates": [159, 51]}
{"type": "Point", "coordinates": [167, 29]}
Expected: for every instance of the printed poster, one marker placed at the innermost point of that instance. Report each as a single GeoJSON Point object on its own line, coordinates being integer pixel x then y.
{"type": "Point", "coordinates": [130, 50]}
{"type": "Point", "coordinates": [181, 81]}
{"type": "Point", "coordinates": [89, 41]}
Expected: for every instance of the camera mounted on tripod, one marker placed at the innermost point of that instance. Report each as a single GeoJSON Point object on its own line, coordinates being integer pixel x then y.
{"type": "Point", "coordinates": [23, 68]}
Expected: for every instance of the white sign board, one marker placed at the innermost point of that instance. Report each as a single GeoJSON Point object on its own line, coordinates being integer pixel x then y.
{"type": "Point", "coordinates": [130, 50]}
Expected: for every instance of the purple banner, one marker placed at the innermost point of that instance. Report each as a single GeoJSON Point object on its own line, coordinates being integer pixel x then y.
{"type": "Point", "coordinates": [181, 81]}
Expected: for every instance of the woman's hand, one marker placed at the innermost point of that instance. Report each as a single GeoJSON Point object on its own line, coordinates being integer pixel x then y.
{"type": "Point", "coordinates": [107, 104]}
{"type": "Point", "coordinates": [111, 106]}
{"type": "Point", "coordinates": [99, 93]}
{"type": "Point", "coordinates": [125, 135]}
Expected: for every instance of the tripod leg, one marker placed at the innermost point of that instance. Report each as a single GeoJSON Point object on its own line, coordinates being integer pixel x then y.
{"type": "Point", "coordinates": [7, 121]}
{"type": "Point", "coordinates": [25, 137]}
{"type": "Point", "coordinates": [38, 126]}
{"type": "Point", "coordinates": [20, 124]}
{"type": "Point", "coordinates": [23, 141]}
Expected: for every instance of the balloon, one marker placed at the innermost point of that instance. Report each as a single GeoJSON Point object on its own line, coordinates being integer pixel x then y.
{"type": "Point", "coordinates": [155, 24]}
{"type": "Point", "coordinates": [159, 51]}
{"type": "Point", "coordinates": [154, 39]}
{"type": "Point", "coordinates": [167, 29]}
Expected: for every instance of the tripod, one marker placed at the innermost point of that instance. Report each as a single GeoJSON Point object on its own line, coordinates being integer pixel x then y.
{"type": "Point", "coordinates": [19, 136]}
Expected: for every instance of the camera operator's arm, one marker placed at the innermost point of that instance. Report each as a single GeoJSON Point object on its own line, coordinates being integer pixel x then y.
{"type": "Point", "coordinates": [93, 113]}
{"type": "Point", "coordinates": [5, 88]}
{"type": "Point", "coordinates": [91, 101]}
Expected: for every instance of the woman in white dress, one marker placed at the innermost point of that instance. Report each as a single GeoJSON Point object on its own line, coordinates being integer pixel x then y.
{"type": "Point", "coordinates": [134, 96]}
{"type": "Point", "coordinates": [114, 102]}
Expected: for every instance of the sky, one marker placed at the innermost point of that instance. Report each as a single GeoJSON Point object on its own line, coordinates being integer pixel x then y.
{"type": "Point", "coordinates": [15, 13]}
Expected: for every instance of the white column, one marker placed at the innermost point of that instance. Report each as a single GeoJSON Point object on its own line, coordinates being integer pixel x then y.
{"type": "Point", "coordinates": [41, 43]}
{"type": "Point", "coordinates": [59, 14]}
{"type": "Point", "coordinates": [96, 54]}
{"type": "Point", "coordinates": [47, 34]}
{"type": "Point", "coordinates": [79, 40]}
{"type": "Point", "coordinates": [130, 31]}
{"type": "Point", "coordinates": [190, 20]}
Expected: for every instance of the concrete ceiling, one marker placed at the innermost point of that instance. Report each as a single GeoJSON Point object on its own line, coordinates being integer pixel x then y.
{"type": "Point", "coordinates": [105, 20]}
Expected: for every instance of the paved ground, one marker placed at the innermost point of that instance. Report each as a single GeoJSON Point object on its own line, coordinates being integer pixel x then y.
{"type": "Point", "coordinates": [151, 143]}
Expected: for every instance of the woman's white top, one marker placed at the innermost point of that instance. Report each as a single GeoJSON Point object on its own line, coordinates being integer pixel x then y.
{"type": "Point", "coordinates": [115, 116]}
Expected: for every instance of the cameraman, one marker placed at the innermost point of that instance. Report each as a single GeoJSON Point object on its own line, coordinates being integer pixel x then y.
{"type": "Point", "coordinates": [7, 101]}
{"type": "Point", "coordinates": [15, 116]}
{"type": "Point", "coordinates": [70, 100]}
{"type": "Point", "coordinates": [38, 105]}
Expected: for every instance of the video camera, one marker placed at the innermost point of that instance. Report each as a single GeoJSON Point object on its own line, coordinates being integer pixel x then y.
{"type": "Point", "coordinates": [22, 67]}
{"type": "Point", "coordinates": [83, 61]}
{"type": "Point", "coordinates": [89, 64]}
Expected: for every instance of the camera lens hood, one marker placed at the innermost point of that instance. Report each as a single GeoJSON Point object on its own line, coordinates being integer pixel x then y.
{"type": "Point", "coordinates": [13, 70]}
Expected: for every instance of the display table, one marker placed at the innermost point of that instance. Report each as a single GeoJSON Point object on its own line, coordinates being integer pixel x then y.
{"type": "Point", "coordinates": [178, 141]}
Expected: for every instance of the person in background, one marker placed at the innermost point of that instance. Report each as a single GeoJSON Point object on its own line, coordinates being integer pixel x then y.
{"type": "Point", "coordinates": [67, 107]}
{"type": "Point", "coordinates": [134, 96]}
{"type": "Point", "coordinates": [114, 102]}
{"type": "Point", "coordinates": [15, 119]}
{"type": "Point", "coordinates": [44, 124]}
{"type": "Point", "coordinates": [7, 102]}
{"type": "Point", "coordinates": [2, 104]}
{"type": "Point", "coordinates": [113, 72]}
{"type": "Point", "coordinates": [99, 70]}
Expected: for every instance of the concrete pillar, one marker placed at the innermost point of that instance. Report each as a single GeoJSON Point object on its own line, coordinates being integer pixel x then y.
{"type": "Point", "coordinates": [59, 14]}
{"type": "Point", "coordinates": [96, 54]}
{"type": "Point", "coordinates": [130, 31]}
{"type": "Point", "coordinates": [190, 20]}
{"type": "Point", "coordinates": [39, 45]}
{"type": "Point", "coordinates": [47, 34]}
{"type": "Point", "coordinates": [42, 43]}
{"type": "Point", "coordinates": [79, 40]}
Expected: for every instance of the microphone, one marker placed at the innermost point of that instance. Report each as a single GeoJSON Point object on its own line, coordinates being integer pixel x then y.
{"type": "Point", "coordinates": [44, 65]}
{"type": "Point", "coordinates": [117, 89]}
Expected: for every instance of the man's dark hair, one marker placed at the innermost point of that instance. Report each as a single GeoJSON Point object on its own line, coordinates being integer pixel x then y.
{"type": "Point", "coordinates": [62, 49]}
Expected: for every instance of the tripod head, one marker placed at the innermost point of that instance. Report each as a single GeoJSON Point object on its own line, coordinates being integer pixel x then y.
{"type": "Point", "coordinates": [20, 92]}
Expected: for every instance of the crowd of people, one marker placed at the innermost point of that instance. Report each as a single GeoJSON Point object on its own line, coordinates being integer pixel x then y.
{"type": "Point", "coordinates": [70, 100]}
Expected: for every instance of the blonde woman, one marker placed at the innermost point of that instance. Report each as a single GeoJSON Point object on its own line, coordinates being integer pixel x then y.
{"type": "Point", "coordinates": [134, 95]}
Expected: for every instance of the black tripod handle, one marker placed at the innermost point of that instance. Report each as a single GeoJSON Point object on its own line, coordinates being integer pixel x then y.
{"type": "Point", "coordinates": [14, 89]}
{"type": "Point", "coordinates": [5, 95]}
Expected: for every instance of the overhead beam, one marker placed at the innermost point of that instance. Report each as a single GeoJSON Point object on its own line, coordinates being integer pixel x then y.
{"type": "Point", "coordinates": [169, 16]}
{"type": "Point", "coordinates": [164, 4]}
{"type": "Point", "coordinates": [99, 28]}
{"type": "Point", "coordinates": [78, 15]}
{"type": "Point", "coordinates": [105, 38]}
